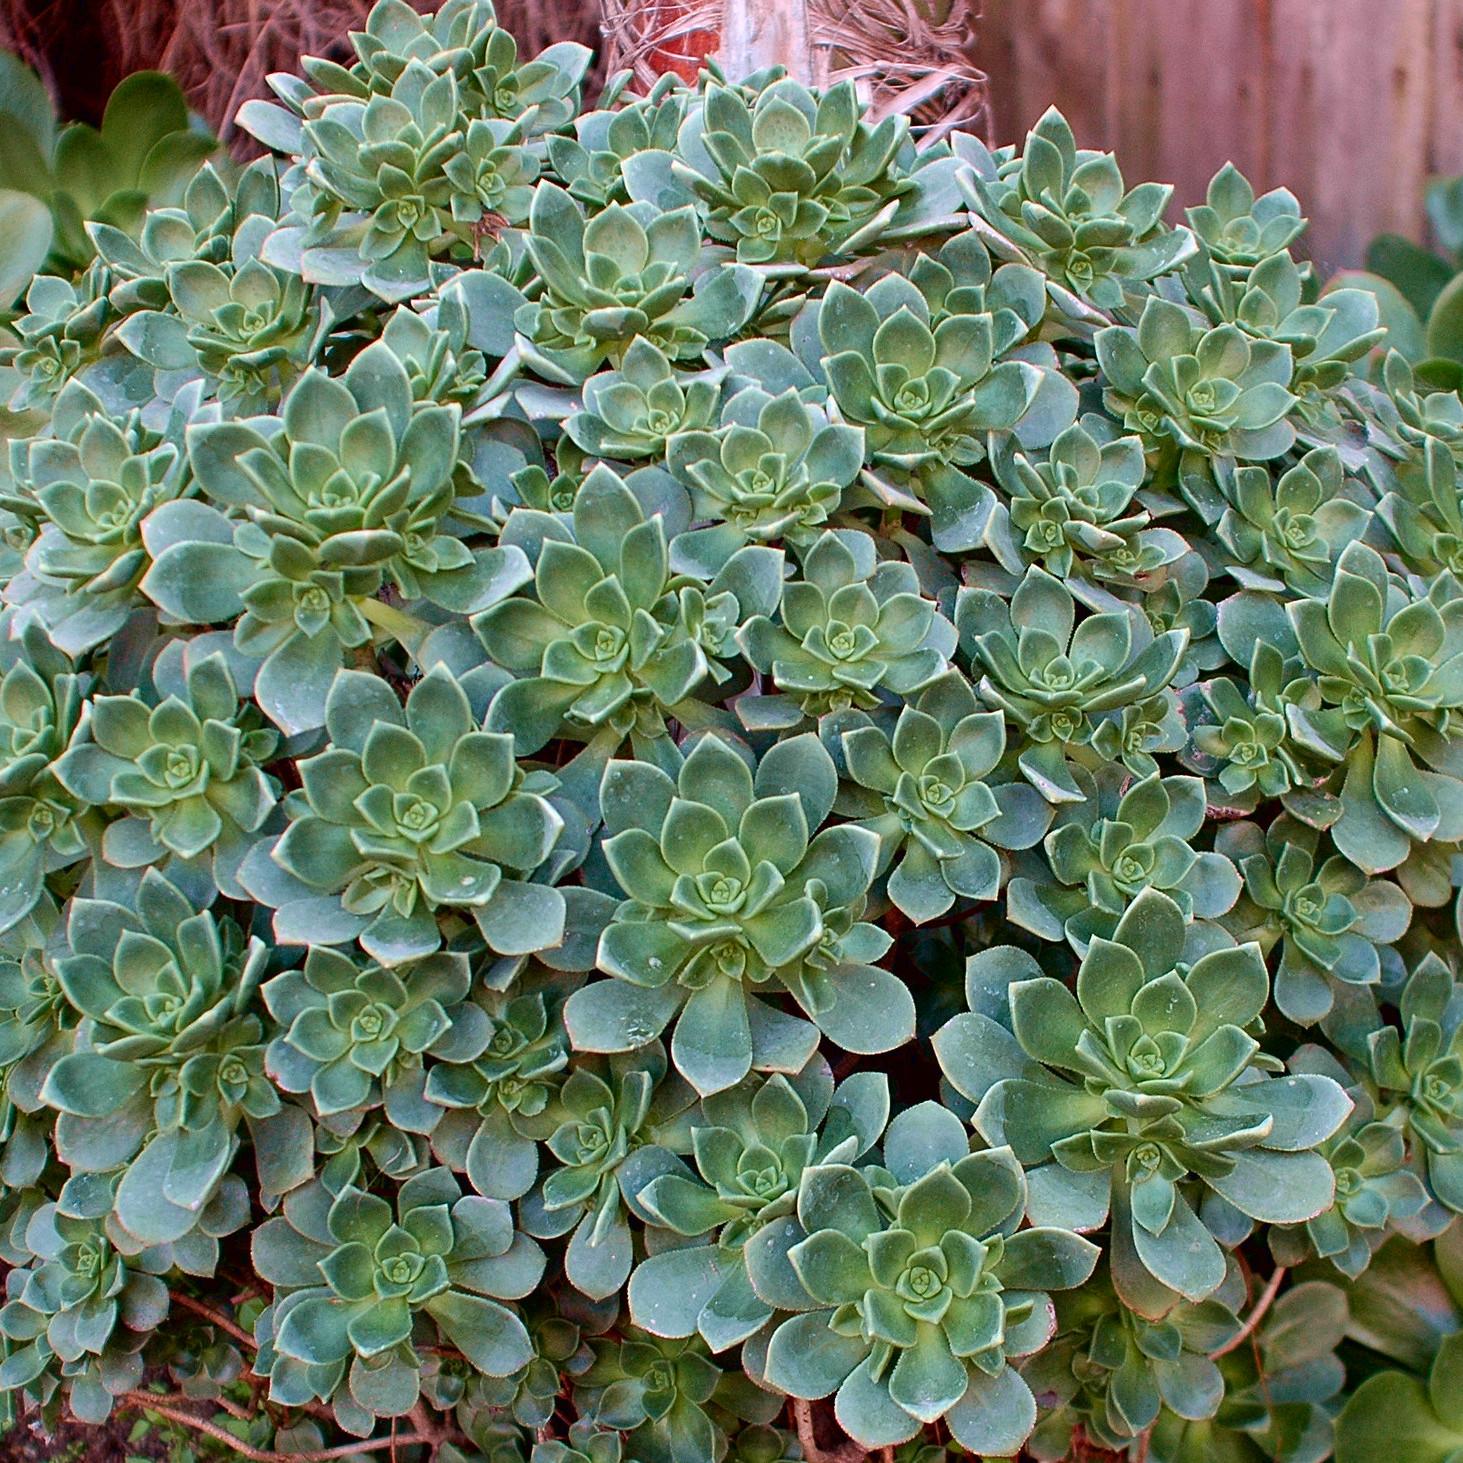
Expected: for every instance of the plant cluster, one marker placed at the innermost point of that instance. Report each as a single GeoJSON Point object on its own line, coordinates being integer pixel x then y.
{"type": "Point", "coordinates": [693, 783]}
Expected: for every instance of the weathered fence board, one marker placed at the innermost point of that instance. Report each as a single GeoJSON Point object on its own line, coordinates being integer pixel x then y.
{"type": "Point", "coordinates": [1353, 104]}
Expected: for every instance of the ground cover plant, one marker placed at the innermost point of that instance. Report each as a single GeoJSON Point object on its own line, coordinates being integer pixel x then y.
{"type": "Point", "coordinates": [680, 781]}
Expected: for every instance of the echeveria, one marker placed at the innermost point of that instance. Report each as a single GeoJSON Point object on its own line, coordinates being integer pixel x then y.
{"type": "Point", "coordinates": [1162, 1092]}
{"type": "Point", "coordinates": [1056, 679]}
{"type": "Point", "coordinates": [537, 644]}
{"type": "Point", "coordinates": [1069, 211]}
{"type": "Point", "coordinates": [350, 1036]}
{"type": "Point", "coordinates": [79, 1312]}
{"type": "Point", "coordinates": [915, 1288]}
{"type": "Point", "coordinates": [90, 487]}
{"type": "Point", "coordinates": [1390, 672]}
{"type": "Point", "coordinates": [187, 771]}
{"type": "Point", "coordinates": [789, 177]}
{"type": "Point", "coordinates": [450, 1256]}
{"type": "Point", "coordinates": [936, 814]}
{"type": "Point", "coordinates": [751, 1145]}
{"type": "Point", "coordinates": [413, 810]}
{"type": "Point", "coordinates": [1103, 853]}
{"type": "Point", "coordinates": [1423, 1074]}
{"type": "Point", "coordinates": [851, 628]}
{"type": "Point", "coordinates": [168, 1059]}
{"type": "Point", "coordinates": [604, 640]}
{"type": "Point", "coordinates": [735, 888]}
{"type": "Point", "coordinates": [631, 270]}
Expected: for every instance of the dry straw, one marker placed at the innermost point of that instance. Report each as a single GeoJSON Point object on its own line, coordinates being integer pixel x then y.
{"type": "Point", "coordinates": [910, 56]}
{"type": "Point", "coordinates": [221, 51]}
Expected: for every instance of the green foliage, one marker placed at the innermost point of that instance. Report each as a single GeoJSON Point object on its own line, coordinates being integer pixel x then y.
{"type": "Point", "coordinates": [1418, 290]}
{"type": "Point", "coordinates": [57, 183]}
{"type": "Point", "coordinates": [708, 781]}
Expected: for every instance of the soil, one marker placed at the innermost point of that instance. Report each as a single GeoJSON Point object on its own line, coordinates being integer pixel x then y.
{"type": "Point", "coordinates": [77, 1442]}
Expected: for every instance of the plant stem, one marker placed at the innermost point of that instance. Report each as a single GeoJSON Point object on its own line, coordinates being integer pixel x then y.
{"type": "Point", "coordinates": [216, 1317]}
{"type": "Point", "coordinates": [847, 1451]}
{"type": "Point", "coordinates": [148, 1402]}
{"type": "Point", "coordinates": [1257, 1314]}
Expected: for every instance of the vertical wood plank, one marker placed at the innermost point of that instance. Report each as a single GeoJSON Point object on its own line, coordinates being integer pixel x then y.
{"type": "Point", "coordinates": [1187, 94]}
{"type": "Point", "coordinates": [1358, 75]}
{"type": "Point", "coordinates": [1350, 103]}
{"type": "Point", "coordinates": [1045, 52]}
{"type": "Point", "coordinates": [1445, 121]}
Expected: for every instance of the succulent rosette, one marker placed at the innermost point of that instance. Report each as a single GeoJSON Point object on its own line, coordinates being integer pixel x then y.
{"type": "Point", "coordinates": [547, 642]}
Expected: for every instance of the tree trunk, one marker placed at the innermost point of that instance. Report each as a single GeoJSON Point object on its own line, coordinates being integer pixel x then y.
{"type": "Point", "coordinates": [760, 33]}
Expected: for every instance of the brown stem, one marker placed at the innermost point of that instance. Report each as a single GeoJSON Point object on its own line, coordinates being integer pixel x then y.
{"type": "Point", "coordinates": [148, 1402]}
{"type": "Point", "coordinates": [847, 1451]}
{"type": "Point", "coordinates": [209, 1314]}
{"type": "Point", "coordinates": [1257, 1314]}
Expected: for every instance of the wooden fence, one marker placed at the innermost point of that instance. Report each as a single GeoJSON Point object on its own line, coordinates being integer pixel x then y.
{"type": "Point", "coordinates": [1352, 104]}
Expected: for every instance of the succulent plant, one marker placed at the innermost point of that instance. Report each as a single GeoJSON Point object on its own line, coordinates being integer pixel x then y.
{"type": "Point", "coordinates": [536, 646]}
{"type": "Point", "coordinates": [56, 340]}
{"type": "Point", "coordinates": [1214, 392]}
{"type": "Point", "coordinates": [1291, 531]}
{"type": "Point", "coordinates": [89, 487]}
{"type": "Point", "coordinates": [1104, 852]}
{"type": "Point", "coordinates": [914, 1288]}
{"type": "Point", "coordinates": [1415, 414]}
{"type": "Point", "coordinates": [850, 629]}
{"type": "Point", "coordinates": [412, 810]}
{"type": "Point", "coordinates": [1421, 1074]}
{"type": "Point", "coordinates": [1074, 514]}
{"type": "Point", "coordinates": [1386, 665]}
{"type": "Point", "coordinates": [242, 326]}
{"type": "Point", "coordinates": [631, 270]}
{"type": "Point", "coordinates": [1375, 1193]}
{"type": "Point", "coordinates": [1155, 1105]}
{"type": "Point", "coordinates": [735, 886]}
{"type": "Point", "coordinates": [447, 1257]}
{"type": "Point", "coordinates": [751, 1144]}
{"type": "Point", "coordinates": [1272, 303]}
{"type": "Point", "coordinates": [602, 1119]}
{"type": "Point", "coordinates": [1422, 511]}
{"type": "Point", "coordinates": [775, 469]}
{"type": "Point", "coordinates": [350, 1036]}
{"type": "Point", "coordinates": [1070, 213]}
{"type": "Point", "coordinates": [604, 641]}
{"type": "Point", "coordinates": [346, 491]}
{"type": "Point", "coordinates": [1055, 679]}
{"type": "Point", "coordinates": [1239, 230]}
{"type": "Point", "coordinates": [68, 1314]}
{"type": "Point", "coordinates": [1114, 1371]}
{"type": "Point", "coordinates": [936, 816]}
{"type": "Point", "coordinates": [507, 1078]}
{"type": "Point", "coordinates": [187, 772]}
{"type": "Point", "coordinates": [200, 226]}
{"type": "Point", "coordinates": [168, 1059]}
{"type": "Point", "coordinates": [926, 389]}
{"type": "Point", "coordinates": [392, 175]}
{"type": "Point", "coordinates": [1242, 738]}
{"type": "Point", "coordinates": [632, 413]}
{"type": "Point", "coordinates": [1327, 916]}
{"type": "Point", "coordinates": [591, 163]}
{"type": "Point", "coordinates": [791, 178]}
{"type": "Point", "coordinates": [668, 1398]}
{"type": "Point", "coordinates": [462, 38]}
